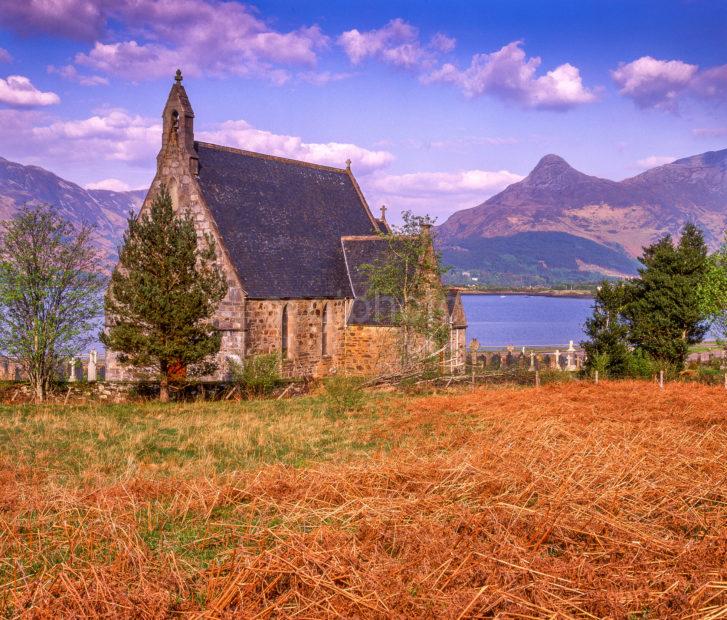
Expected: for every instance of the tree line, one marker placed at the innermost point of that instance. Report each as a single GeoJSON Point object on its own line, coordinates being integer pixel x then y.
{"type": "Point", "coordinates": [647, 324]}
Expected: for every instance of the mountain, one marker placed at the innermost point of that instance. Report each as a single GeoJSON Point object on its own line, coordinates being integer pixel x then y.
{"type": "Point", "coordinates": [559, 224]}
{"type": "Point", "coordinates": [106, 210]}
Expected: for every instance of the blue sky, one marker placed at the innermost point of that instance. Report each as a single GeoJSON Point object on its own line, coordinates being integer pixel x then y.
{"type": "Point", "coordinates": [438, 104]}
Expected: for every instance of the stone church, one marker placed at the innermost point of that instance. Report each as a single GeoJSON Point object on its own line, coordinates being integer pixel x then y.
{"type": "Point", "coordinates": [290, 237]}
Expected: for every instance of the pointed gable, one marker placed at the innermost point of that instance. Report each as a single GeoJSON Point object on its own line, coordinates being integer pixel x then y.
{"type": "Point", "coordinates": [455, 308]}
{"type": "Point", "coordinates": [282, 221]}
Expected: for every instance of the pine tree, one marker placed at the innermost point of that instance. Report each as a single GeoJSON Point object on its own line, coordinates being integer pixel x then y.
{"type": "Point", "coordinates": [662, 308]}
{"type": "Point", "coordinates": [607, 346]}
{"type": "Point", "coordinates": [163, 295]}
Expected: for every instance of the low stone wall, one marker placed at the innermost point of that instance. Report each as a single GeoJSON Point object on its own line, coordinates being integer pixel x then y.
{"type": "Point", "coordinates": [102, 391]}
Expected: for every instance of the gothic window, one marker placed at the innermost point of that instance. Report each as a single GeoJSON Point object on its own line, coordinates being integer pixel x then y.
{"type": "Point", "coordinates": [324, 331]}
{"type": "Point", "coordinates": [284, 332]}
{"type": "Point", "coordinates": [175, 122]}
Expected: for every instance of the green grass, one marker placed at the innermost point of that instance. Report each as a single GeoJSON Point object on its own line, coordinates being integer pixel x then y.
{"type": "Point", "coordinates": [115, 441]}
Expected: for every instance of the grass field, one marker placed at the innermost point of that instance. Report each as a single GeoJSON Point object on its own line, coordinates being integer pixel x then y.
{"type": "Point", "coordinates": [570, 500]}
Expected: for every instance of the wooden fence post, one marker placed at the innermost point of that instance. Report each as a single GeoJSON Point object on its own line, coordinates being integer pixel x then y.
{"type": "Point", "coordinates": [537, 378]}
{"type": "Point", "coordinates": [661, 379]}
{"type": "Point", "coordinates": [596, 378]}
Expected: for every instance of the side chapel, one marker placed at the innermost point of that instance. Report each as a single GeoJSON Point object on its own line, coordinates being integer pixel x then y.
{"type": "Point", "coordinates": [290, 236]}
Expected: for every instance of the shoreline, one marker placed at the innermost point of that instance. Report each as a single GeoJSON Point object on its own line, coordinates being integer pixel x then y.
{"type": "Point", "coordinates": [577, 294]}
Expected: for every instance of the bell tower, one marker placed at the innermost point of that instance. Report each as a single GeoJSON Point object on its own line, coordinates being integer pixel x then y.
{"type": "Point", "coordinates": [178, 127]}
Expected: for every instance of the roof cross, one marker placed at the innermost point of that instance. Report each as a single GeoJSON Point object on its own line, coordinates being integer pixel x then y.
{"type": "Point", "coordinates": [383, 212]}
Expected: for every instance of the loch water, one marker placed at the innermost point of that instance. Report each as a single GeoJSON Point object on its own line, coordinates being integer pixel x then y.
{"type": "Point", "coordinates": [525, 320]}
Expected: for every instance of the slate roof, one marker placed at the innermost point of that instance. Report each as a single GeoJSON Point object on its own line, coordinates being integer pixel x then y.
{"type": "Point", "coordinates": [282, 221]}
{"type": "Point", "coordinates": [368, 250]}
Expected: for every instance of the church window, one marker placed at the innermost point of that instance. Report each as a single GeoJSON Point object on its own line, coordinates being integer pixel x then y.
{"type": "Point", "coordinates": [284, 332]}
{"type": "Point", "coordinates": [175, 121]}
{"type": "Point", "coordinates": [324, 331]}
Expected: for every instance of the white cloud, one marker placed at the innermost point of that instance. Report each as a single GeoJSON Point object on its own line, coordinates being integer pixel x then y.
{"type": "Point", "coordinates": [711, 83]}
{"type": "Point", "coordinates": [652, 161]}
{"type": "Point", "coordinates": [397, 43]}
{"type": "Point", "coordinates": [114, 185]}
{"type": "Point", "coordinates": [509, 75]}
{"type": "Point", "coordinates": [242, 135]}
{"type": "Point", "coordinates": [709, 132]}
{"type": "Point", "coordinates": [200, 36]}
{"type": "Point", "coordinates": [436, 193]}
{"type": "Point", "coordinates": [112, 135]}
{"type": "Point", "coordinates": [654, 83]}
{"type": "Point", "coordinates": [18, 91]}
{"type": "Point", "coordinates": [70, 73]}
{"type": "Point", "coordinates": [442, 43]}
{"type": "Point", "coordinates": [5, 55]}
{"type": "Point", "coordinates": [319, 78]}
{"type": "Point", "coordinates": [78, 19]}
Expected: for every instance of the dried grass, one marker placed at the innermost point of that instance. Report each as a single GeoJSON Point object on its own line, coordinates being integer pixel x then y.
{"type": "Point", "coordinates": [567, 501]}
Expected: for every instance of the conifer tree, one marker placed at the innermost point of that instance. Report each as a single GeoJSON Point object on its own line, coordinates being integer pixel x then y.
{"type": "Point", "coordinates": [662, 308]}
{"type": "Point", "coordinates": [607, 344]}
{"type": "Point", "coordinates": [163, 295]}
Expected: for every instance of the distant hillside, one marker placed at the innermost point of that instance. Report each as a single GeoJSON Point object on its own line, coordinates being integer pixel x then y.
{"type": "Point", "coordinates": [605, 223]}
{"type": "Point", "coordinates": [534, 257]}
{"type": "Point", "coordinates": [106, 210]}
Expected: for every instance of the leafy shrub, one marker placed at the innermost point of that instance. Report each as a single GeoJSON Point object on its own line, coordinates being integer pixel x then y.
{"type": "Point", "coordinates": [640, 365]}
{"type": "Point", "coordinates": [342, 395]}
{"type": "Point", "coordinates": [257, 376]}
{"type": "Point", "coordinates": [599, 362]}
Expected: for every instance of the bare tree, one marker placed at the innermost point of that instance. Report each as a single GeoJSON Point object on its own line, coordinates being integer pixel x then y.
{"type": "Point", "coordinates": [50, 288]}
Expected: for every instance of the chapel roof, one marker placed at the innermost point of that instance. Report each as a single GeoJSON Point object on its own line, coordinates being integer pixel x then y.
{"type": "Point", "coordinates": [369, 250]}
{"type": "Point", "coordinates": [282, 221]}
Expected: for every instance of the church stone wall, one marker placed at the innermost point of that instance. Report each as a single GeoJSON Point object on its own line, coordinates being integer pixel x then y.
{"type": "Point", "coordinates": [305, 316]}
{"type": "Point", "coordinates": [371, 350]}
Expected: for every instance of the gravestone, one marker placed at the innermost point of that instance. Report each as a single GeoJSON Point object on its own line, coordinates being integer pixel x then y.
{"type": "Point", "coordinates": [92, 361]}
{"type": "Point", "coordinates": [570, 357]}
{"type": "Point", "coordinates": [474, 347]}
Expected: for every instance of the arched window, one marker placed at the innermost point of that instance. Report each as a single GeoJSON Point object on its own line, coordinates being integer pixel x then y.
{"type": "Point", "coordinates": [284, 332]}
{"type": "Point", "coordinates": [324, 331]}
{"type": "Point", "coordinates": [175, 122]}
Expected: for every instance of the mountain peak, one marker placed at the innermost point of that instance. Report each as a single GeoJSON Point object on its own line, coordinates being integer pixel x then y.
{"type": "Point", "coordinates": [552, 168]}
{"type": "Point", "coordinates": [552, 160]}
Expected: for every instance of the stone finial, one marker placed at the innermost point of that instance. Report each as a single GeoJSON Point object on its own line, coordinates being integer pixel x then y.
{"type": "Point", "coordinates": [348, 165]}
{"type": "Point", "coordinates": [178, 76]}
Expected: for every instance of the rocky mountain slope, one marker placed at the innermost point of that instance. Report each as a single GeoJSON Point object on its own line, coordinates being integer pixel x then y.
{"type": "Point", "coordinates": [106, 210]}
{"type": "Point", "coordinates": [606, 223]}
